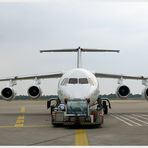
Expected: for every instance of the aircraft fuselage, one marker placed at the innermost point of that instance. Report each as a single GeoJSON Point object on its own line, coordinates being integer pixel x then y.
{"type": "Point", "coordinates": [78, 84]}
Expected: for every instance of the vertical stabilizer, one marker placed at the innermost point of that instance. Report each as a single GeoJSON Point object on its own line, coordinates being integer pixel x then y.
{"type": "Point", "coordinates": [79, 51]}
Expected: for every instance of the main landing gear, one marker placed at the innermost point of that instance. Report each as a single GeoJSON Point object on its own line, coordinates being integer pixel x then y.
{"type": "Point", "coordinates": [105, 103]}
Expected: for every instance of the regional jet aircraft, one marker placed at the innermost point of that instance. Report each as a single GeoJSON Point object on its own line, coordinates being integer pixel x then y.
{"type": "Point", "coordinates": [78, 91]}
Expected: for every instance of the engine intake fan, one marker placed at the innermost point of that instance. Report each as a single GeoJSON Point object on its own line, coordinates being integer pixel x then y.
{"type": "Point", "coordinates": [123, 91]}
{"type": "Point", "coordinates": [8, 93]}
{"type": "Point", "coordinates": [34, 92]}
{"type": "Point", "coordinates": [145, 93]}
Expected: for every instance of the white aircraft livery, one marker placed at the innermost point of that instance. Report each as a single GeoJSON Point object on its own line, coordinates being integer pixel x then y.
{"type": "Point", "coordinates": [78, 100]}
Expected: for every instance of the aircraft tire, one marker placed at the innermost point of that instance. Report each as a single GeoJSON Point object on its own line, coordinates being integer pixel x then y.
{"type": "Point", "coordinates": [106, 110]}
{"type": "Point", "coordinates": [105, 107]}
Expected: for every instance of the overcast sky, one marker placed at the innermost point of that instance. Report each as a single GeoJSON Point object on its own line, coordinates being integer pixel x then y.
{"type": "Point", "coordinates": [27, 27]}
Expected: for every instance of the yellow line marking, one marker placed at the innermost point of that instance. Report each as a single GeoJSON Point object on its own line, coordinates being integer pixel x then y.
{"type": "Point", "coordinates": [31, 126]}
{"type": "Point", "coordinates": [81, 137]}
{"type": "Point", "coordinates": [19, 125]}
{"type": "Point", "coordinates": [22, 109]}
{"type": "Point", "coordinates": [20, 118]}
{"type": "Point", "coordinates": [7, 126]}
{"type": "Point", "coordinates": [26, 126]}
{"type": "Point", "coordinates": [19, 121]}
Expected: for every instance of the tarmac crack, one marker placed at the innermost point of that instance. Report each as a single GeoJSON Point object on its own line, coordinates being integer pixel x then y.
{"type": "Point", "coordinates": [49, 140]}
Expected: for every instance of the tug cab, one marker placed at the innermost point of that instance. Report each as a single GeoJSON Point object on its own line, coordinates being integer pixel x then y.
{"type": "Point", "coordinates": [76, 112]}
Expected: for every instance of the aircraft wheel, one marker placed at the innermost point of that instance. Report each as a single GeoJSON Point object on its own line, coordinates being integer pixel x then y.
{"type": "Point", "coordinates": [105, 108]}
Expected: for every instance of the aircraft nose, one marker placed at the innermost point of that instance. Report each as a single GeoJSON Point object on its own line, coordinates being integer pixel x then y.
{"type": "Point", "coordinates": [78, 92]}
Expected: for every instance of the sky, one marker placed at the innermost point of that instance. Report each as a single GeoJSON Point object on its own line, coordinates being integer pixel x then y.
{"type": "Point", "coordinates": [26, 26]}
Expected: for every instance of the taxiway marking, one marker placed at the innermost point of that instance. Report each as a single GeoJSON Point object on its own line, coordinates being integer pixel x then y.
{"type": "Point", "coordinates": [126, 118]}
{"type": "Point", "coordinates": [22, 110]}
{"type": "Point", "coordinates": [81, 137]}
{"type": "Point", "coordinates": [122, 120]}
{"type": "Point", "coordinates": [26, 126]}
{"type": "Point", "coordinates": [137, 119]}
{"type": "Point", "coordinates": [20, 118]}
{"type": "Point", "coordinates": [140, 116]}
{"type": "Point", "coordinates": [132, 119]}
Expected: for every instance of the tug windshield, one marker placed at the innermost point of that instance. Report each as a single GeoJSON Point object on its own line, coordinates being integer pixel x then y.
{"type": "Point", "coordinates": [77, 107]}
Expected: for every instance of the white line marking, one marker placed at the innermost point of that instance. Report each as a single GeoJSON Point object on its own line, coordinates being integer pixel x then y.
{"type": "Point", "coordinates": [130, 120]}
{"type": "Point", "coordinates": [122, 120]}
{"type": "Point", "coordinates": [137, 119]}
{"type": "Point", "coordinates": [144, 115]}
{"type": "Point", "coordinates": [140, 116]}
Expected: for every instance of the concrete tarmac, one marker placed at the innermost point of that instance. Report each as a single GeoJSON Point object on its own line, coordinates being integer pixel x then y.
{"type": "Point", "coordinates": [28, 123]}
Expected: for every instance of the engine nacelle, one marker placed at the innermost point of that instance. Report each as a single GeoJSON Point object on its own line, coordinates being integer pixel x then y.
{"type": "Point", "coordinates": [123, 91]}
{"type": "Point", "coordinates": [8, 93]}
{"type": "Point", "coordinates": [145, 93]}
{"type": "Point", "coordinates": [34, 92]}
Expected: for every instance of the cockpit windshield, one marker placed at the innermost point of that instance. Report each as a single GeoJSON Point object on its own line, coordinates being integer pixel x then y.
{"type": "Point", "coordinates": [73, 81]}
{"type": "Point", "coordinates": [77, 81]}
{"type": "Point", "coordinates": [83, 81]}
{"type": "Point", "coordinates": [65, 81]}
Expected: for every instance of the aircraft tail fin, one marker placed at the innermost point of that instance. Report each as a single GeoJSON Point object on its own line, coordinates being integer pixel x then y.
{"type": "Point", "coordinates": [79, 50]}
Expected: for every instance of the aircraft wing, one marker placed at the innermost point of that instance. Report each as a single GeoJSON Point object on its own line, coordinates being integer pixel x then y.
{"type": "Point", "coordinates": [46, 76]}
{"type": "Point", "coordinates": [115, 76]}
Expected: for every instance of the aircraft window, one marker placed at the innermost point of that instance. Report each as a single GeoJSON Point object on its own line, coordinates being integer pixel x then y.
{"type": "Point", "coordinates": [73, 81]}
{"type": "Point", "coordinates": [90, 81]}
{"type": "Point", "coordinates": [65, 81]}
{"type": "Point", "coordinates": [83, 81]}
{"type": "Point", "coordinates": [62, 83]}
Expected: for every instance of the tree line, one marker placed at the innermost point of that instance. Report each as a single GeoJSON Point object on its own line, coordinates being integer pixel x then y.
{"type": "Point", "coordinates": [47, 97]}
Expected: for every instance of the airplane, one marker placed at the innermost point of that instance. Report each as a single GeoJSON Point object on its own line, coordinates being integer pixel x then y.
{"type": "Point", "coordinates": [78, 100]}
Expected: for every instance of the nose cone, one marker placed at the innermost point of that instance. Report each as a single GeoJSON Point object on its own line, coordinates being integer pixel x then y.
{"type": "Point", "coordinates": [79, 91]}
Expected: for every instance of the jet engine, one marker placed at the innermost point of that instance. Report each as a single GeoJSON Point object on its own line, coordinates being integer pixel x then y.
{"type": "Point", "coordinates": [34, 92]}
{"type": "Point", "coordinates": [123, 91]}
{"type": "Point", "coordinates": [8, 93]}
{"type": "Point", "coordinates": [145, 93]}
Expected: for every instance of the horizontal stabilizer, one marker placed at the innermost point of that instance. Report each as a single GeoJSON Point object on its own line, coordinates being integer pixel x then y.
{"type": "Point", "coordinates": [59, 50]}
{"type": "Point", "coordinates": [77, 49]}
{"type": "Point", "coordinates": [99, 50]}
